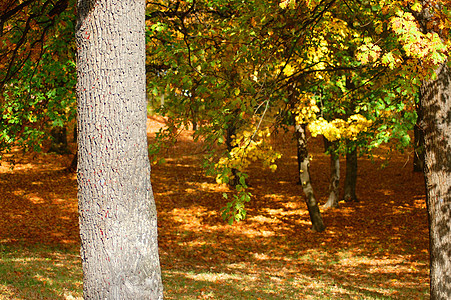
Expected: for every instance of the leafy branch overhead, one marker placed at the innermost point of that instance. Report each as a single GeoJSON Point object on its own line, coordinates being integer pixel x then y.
{"type": "Point", "coordinates": [37, 81]}
{"type": "Point", "coordinates": [354, 65]}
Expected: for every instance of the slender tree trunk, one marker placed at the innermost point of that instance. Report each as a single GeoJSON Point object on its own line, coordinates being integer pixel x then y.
{"type": "Point", "coordinates": [418, 154]}
{"type": "Point", "coordinates": [304, 177]}
{"type": "Point", "coordinates": [351, 176]}
{"type": "Point", "coordinates": [162, 100]}
{"type": "Point", "coordinates": [118, 219]}
{"type": "Point", "coordinates": [230, 132]}
{"type": "Point", "coordinates": [59, 140]}
{"type": "Point", "coordinates": [334, 183]}
{"type": "Point", "coordinates": [73, 164]}
{"type": "Point", "coordinates": [74, 137]}
{"type": "Point", "coordinates": [435, 101]}
{"type": "Point", "coordinates": [193, 111]}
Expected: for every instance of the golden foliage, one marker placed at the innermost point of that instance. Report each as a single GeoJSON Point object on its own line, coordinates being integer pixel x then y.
{"type": "Point", "coordinates": [339, 128]}
{"type": "Point", "coordinates": [427, 47]}
{"type": "Point", "coordinates": [306, 109]}
{"type": "Point", "coordinates": [249, 145]}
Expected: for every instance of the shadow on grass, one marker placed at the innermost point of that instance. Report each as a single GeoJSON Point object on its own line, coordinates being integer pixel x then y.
{"type": "Point", "coordinates": [253, 282]}
{"type": "Point", "coordinates": [39, 272]}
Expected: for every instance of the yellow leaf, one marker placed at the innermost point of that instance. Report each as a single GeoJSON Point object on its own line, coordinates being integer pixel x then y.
{"type": "Point", "coordinates": [417, 7]}
{"type": "Point", "coordinates": [288, 70]}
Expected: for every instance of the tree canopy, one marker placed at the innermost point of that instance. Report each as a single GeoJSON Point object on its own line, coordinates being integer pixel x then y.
{"type": "Point", "coordinates": [355, 67]}
{"type": "Point", "coordinates": [239, 71]}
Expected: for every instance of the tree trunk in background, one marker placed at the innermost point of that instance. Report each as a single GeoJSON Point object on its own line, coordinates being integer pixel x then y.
{"type": "Point", "coordinates": [304, 177]}
{"type": "Point", "coordinates": [334, 183]}
{"type": "Point", "coordinates": [117, 213]}
{"type": "Point", "coordinates": [351, 176]}
{"type": "Point", "coordinates": [73, 164]}
{"type": "Point", "coordinates": [193, 111]}
{"type": "Point", "coordinates": [418, 141]}
{"type": "Point", "coordinates": [435, 101]}
{"type": "Point", "coordinates": [59, 140]}
{"type": "Point", "coordinates": [230, 132]}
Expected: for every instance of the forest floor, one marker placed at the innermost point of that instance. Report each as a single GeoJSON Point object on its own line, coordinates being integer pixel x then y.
{"type": "Point", "coordinates": [376, 248]}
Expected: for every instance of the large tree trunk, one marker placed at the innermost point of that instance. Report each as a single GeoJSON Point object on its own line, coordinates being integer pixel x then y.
{"type": "Point", "coordinates": [351, 176]}
{"type": "Point", "coordinates": [304, 177]}
{"type": "Point", "coordinates": [334, 182]}
{"type": "Point", "coordinates": [117, 213]}
{"type": "Point", "coordinates": [435, 100]}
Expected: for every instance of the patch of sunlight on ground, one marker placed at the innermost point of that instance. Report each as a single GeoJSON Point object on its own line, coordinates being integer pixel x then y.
{"type": "Point", "coordinates": [385, 192]}
{"type": "Point", "coordinates": [211, 187]}
{"type": "Point", "coordinates": [44, 280]}
{"type": "Point", "coordinates": [419, 202]}
{"type": "Point", "coordinates": [19, 192]}
{"type": "Point", "coordinates": [195, 214]}
{"type": "Point", "coordinates": [36, 199]}
{"type": "Point", "coordinates": [292, 205]}
{"type": "Point", "coordinates": [6, 292]}
{"type": "Point", "coordinates": [244, 282]}
{"type": "Point", "coordinates": [197, 243]}
{"type": "Point", "coordinates": [263, 219]}
{"type": "Point", "coordinates": [214, 277]}
{"type": "Point", "coordinates": [261, 256]}
{"type": "Point", "coordinates": [252, 233]}
{"type": "Point", "coordinates": [69, 296]}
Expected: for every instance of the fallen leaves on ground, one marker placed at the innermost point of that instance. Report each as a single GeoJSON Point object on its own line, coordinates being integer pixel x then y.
{"type": "Point", "coordinates": [375, 248]}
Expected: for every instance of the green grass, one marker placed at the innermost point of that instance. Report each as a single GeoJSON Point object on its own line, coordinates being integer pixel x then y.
{"type": "Point", "coordinates": [42, 272]}
{"type": "Point", "coordinates": [246, 284]}
{"type": "Point", "coordinates": [39, 272]}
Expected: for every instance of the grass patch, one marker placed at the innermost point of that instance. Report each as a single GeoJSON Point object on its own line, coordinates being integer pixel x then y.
{"type": "Point", "coordinates": [39, 272]}
{"type": "Point", "coordinates": [44, 272]}
{"type": "Point", "coordinates": [312, 276]}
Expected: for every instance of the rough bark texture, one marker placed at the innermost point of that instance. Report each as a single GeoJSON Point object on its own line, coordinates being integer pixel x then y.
{"type": "Point", "coordinates": [351, 176]}
{"type": "Point", "coordinates": [334, 183]}
{"type": "Point", "coordinates": [118, 220]}
{"type": "Point", "coordinates": [435, 101]}
{"type": "Point", "coordinates": [304, 177]}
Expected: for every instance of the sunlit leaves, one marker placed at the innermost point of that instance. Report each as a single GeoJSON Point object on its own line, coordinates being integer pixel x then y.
{"type": "Point", "coordinates": [349, 69]}
{"type": "Point", "coordinates": [305, 110]}
{"type": "Point", "coordinates": [368, 53]}
{"type": "Point", "coordinates": [427, 47]}
{"type": "Point", "coordinates": [249, 145]}
{"type": "Point", "coordinates": [340, 129]}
